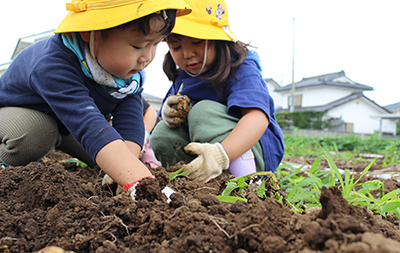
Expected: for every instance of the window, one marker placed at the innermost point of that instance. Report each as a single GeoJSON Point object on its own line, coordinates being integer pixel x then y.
{"type": "Point", "coordinates": [349, 127]}
{"type": "Point", "coordinates": [297, 100]}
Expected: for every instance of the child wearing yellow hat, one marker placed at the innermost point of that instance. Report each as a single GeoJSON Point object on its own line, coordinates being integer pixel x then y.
{"type": "Point", "coordinates": [57, 92]}
{"type": "Point", "coordinates": [231, 124]}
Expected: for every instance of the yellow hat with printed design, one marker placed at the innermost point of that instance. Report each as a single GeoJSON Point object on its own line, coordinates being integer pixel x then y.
{"type": "Point", "coordinates": [208, 20]}
{"type": "Point", "coordinates": [91, 15]}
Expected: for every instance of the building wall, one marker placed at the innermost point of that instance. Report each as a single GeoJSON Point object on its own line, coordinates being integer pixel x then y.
{"type": "Point", "coordinates": [317, 96]}
{"type": "Point", "coordinates": [277, 97]}
{"type": "Point", "coordinates": [389, 126]}
{"type": "Point", "coordinates": [358, 112]}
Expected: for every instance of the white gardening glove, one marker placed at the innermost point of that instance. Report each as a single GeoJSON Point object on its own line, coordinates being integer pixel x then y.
{"type": "Point", "coordinates": [175, 110]}
{"type": "Point", "coordinates": [209, 164]}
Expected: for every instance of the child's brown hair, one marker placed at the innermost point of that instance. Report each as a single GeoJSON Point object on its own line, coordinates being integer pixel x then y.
{"type": "Point", "coordinates": [143, 24]}
{"type": "Point", "coordinates": [229, 56]}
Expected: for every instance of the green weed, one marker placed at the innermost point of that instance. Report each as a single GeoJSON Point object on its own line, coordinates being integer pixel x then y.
{"type": "Point", "coordinates": [303, 187]}
{"type": "Point", "coordinates": [178, 174]}
{"type": "Point", "coordinates": [76, 161]}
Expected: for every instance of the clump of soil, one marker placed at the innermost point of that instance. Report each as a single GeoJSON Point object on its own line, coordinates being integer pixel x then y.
{"type": "Point", "coordinates": [60, 204]}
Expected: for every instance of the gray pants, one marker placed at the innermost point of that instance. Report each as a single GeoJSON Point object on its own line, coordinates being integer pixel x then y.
{"type": "Point", "coordinates": [208, 122]}
{"type": "Point", "coordinates": [28, 135]}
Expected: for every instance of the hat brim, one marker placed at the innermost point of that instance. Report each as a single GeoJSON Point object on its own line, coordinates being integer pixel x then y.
{"type": "Point", "coordinates": [191, 28]}
{"type": "Point", "coordinates": [107, 18]}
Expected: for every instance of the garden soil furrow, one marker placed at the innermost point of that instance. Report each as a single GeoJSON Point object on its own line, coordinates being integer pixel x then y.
{"type": "Point", "coordinates": [60, 204]}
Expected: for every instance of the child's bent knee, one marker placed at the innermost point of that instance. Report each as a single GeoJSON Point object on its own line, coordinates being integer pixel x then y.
{"type": "Point", "coordinates": [28, 135]}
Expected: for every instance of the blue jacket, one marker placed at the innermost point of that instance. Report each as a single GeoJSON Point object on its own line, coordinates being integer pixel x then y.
{"type": "Point", "coordinates": [47, 77]}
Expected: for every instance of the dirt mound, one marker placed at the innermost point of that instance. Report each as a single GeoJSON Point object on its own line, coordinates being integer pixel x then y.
{"type": "Point", "coordinates": [60, 204]}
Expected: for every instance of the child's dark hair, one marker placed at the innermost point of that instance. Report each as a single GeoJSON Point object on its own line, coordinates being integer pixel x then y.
{"type": "Point", "coordinates": [229, 56]}
{"type": "Point", "coordinates": [143, 24]}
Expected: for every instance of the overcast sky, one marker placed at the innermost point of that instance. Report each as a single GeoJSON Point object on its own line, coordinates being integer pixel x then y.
{"type": "Point", "coordinates": [361, 37]}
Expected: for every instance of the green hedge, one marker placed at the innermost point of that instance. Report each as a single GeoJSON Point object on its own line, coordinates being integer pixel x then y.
{"type": "Point", "coordinates": [305, 120]}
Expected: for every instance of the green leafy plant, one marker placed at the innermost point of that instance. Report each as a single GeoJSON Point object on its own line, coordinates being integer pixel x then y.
{"type": "Point", "coordinates": [178, 174]}
{"type": "Point", "coordinates": [231, 199]}
{"type": "Point", "coordinates": [257, 184]}
{"type": "Point", "coordinates": [307, 120]}
{"type": "Point", "coordinates": [346, 148]}
{"type": "Point", "coordinates": [76, 161]}
{"type": "Point", "coordinates": [303, 187]}
{"type": "Point", "coordinates": [347, 184]}
{"type": "Point", "coordinates": [300, 188]}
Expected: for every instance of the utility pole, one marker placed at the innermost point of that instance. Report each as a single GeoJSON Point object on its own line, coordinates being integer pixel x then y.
{"type": "Point", "coordinates": [292, 98]}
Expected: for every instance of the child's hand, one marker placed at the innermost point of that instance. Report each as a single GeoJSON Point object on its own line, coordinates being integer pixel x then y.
{"type": "Point", "coordinates": [209, 164]}
{"type": "Point", "coordinates": [131, 189]}
{"type": "Point", "coordinates": [175, 110]}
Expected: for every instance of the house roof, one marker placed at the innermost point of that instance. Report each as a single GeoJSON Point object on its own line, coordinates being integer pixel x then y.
{"type": "Point", "coordinates": [3, 67]}
{"type": "Point", "coordinates": [386, 116]}
{"type": "Point", "coordinates": [337, 79]}
{"type": "Point", "coordinates": [392, 107]}
{"type": "Point", "coordinates": [150, 97]}
{"type": "Point", "coordinates": [327, 107]}
{"type": "Point", "coordinates": [26, 41]}
{"type": "Point", "coordinates": [272, 81]}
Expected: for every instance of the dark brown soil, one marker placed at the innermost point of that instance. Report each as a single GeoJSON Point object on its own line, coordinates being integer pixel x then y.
{"type": "Point", "coordinates": [60, 204]}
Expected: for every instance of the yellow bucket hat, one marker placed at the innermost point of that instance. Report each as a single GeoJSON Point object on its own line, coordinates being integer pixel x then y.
{"type": "Point", "coordinates": [208, 21]}
{"type": "Point", "coordinates": [91, 15]}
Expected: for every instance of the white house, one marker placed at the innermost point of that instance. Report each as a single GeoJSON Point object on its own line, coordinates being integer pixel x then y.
{"type": "Point", "coordinates": [3, 67]}
{"type": "Point", "coordinates": [339, 97]}
{"type": "Point", "coordinates": [272, 87]}
{"type": "Point", "coordinates": [29, 40]}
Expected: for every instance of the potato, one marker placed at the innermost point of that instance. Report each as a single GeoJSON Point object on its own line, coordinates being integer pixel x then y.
{"type": "Point", "coordinates": [183, 106]}
{"type": "Point", "coordinates": [53, 249]}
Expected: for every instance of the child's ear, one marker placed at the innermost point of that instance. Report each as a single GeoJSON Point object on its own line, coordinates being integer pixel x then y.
{"type": "Point", "coordinates": [85, 36]}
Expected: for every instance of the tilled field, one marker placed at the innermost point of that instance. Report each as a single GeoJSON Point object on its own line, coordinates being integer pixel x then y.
{"type": "Point", "coordinates": [60, 204]}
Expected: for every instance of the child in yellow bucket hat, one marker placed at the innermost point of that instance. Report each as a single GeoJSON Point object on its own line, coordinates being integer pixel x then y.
{"type": "Point", "coordinates": [57, 92]}
{"type": "Point", "coordinates": [231, 124]}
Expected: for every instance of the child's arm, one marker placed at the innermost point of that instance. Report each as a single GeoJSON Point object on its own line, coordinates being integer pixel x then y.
{"type": "Point", "coordinates": [246, 133]}
{"type": "Point", "coordinates": [120, 161]}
